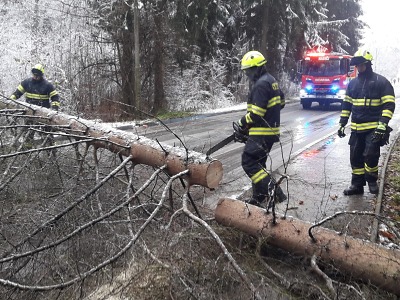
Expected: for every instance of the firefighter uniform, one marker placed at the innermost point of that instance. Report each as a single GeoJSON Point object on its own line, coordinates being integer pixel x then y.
{"type": "Point", "coordinates": [262, 121]}
{"type": "Point", "coordinates": [38, 90]}
{"type": "Point", "coordinates": [370, 101]}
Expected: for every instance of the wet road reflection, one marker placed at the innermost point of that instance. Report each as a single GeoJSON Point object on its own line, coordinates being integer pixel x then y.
{"type": "Point", "coordinates": [316, 160]}
{"type": "Point", "coordinates": [320, 173]}
{"type": "Point", "coordinates": [318, 177]}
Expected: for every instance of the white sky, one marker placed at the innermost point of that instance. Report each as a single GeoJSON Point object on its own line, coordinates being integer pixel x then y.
{"type": "Point", "coordinates": [382, 37]}
{"type": "Point", "coordinates": [382, 17]}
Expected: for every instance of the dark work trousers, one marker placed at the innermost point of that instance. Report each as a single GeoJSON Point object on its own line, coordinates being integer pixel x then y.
{"type": "Point", "coordinates": [42, 103]}
{"type": "Point", "coordinates": [364, 158]}
{"type": "Point", "coordinates": [254, 159]}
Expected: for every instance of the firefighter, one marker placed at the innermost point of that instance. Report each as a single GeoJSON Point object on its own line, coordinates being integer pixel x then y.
{"type": "Point", "coordinates": [370, 101]}
{"type": "Point", "coordinates": [261, 124]}
{"type": "Point", "coordinates": [38, 90]}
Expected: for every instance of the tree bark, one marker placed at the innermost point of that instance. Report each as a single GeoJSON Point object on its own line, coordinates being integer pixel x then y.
{"type": "Point", "coordinates": [202, 170]}
{"type": "Point", "coordinates": [159, 62]}
{"type": "Point", "coordinates": [359, 258]}
{"type": "Point", "coordinates": [264, 27]}
{"type": "Point", "coordinates": [128, 67]}
{"type": "Point", "coordinates": [138, 89]}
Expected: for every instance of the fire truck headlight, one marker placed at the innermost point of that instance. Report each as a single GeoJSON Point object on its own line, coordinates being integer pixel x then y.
{"type": "Point", "coordinates": [335, 88]}
{"type": "Point", "coordinates": [308, 88]}
{"type": "Point", "coordinates": [342, 92]}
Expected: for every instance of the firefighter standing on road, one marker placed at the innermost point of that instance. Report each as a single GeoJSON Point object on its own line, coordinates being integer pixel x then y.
{"type": "Point", "coordinates": [261, 123]}
{"type": "Point", "coordinates": [38, 90]}
{"type": "Point", "coordinates": [370, 101]}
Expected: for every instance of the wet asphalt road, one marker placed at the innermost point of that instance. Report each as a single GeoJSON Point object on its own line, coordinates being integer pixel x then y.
{"type": "Point", "coordinates": [320, 173]}
{"type": "Point", "coordinates": [310, 153]}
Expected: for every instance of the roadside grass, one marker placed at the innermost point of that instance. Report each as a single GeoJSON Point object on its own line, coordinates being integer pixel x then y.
{"type": "Point", "coordinates": [173, 115]}
{"type": "Point", "coordinates": [392, 186]}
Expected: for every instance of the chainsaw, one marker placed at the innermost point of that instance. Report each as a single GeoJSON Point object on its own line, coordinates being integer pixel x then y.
{"type": "Point", "coordinates": [239, 135]}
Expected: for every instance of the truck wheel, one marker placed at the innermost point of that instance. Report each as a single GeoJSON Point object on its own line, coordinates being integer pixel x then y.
{"type": "Point", "coordinates": [306, 104]}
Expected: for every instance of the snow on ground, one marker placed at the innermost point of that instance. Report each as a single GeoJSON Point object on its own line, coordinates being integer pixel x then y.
{"type": "Point", "coordinates": [133, 123]}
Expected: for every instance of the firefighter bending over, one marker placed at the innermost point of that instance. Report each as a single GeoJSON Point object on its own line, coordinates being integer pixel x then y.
{"type": "Point", "coordinates": [38, 90]}
{"type": "Point", "coordinates": [370, 101]}
{"type": "Point", "coordinates": [262, 124]}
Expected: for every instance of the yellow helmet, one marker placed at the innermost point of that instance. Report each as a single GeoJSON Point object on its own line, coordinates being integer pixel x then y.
{"type": "Point", "coordinates": [253, 59]}
{"type": "Point", "coordinates": [360, 57]}
{"type": "Point", "coordinates": [38, 69]}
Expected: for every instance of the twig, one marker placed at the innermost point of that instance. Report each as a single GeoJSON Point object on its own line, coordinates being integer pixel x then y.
{"type": "Point", "coordinates": [360, 213]}
{"type": "Point", "coordinates": [161, 122]}
{"type": "Point", "coordinates": [286, 283]}
{"type": "Point", "coordinates": [85, 226]}
{"type": "Point", "coordinates": [190, 198]}
{"type": "Point", "coordinates": [235, 265]}
{"type": "Point", "coordinates": [18, 102]}
{"type": "Point", "coordinates": [73, 205]}
{"type": "Point", "coordinates": [106, 262]}
{"type": "Point", "coordinates": [33, 126]}
{"type": "Point", "coordinates": [45, 148]}
{"type": "Point", "coordinates": [328, 281]}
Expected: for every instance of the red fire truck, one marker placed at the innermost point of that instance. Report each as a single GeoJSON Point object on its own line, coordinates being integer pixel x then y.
{"type": "Point", "coordinates": [324, 77]}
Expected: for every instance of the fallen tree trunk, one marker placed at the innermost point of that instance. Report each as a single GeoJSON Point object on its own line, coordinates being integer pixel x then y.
{"type": "Point", "coordinates": [202, 170]}
{"type": "Point", "coordinates": [362, 259]}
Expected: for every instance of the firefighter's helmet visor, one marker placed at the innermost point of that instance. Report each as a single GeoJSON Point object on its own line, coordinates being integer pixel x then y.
{"type": "Point", "coordinates": [358, 60]}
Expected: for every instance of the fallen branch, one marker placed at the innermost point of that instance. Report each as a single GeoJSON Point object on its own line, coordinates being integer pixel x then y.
{"type": "Point", "coordinates": [113, 258]}
{"type": "Point", "coordinates": [328, 281]}
{"type": "Point", "coordinates": [65, 211]}
{"type": "Point", "coordinates": [227, 254]}
{"type": "Point", "coordinates": [359, 213]}
{"type": "Point", "coordinates": [202, 170]}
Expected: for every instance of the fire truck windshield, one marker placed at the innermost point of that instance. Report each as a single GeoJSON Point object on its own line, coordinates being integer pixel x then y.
{"type": "Point", "coordinates": [329, 67]}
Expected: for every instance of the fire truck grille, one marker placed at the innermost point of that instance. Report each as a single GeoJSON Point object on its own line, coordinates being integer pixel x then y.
{"type": "Point", "coordinates": [323, 89]}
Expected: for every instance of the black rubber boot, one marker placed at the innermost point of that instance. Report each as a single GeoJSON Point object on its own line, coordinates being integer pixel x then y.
{"type": "Point", "coordinates": [259, 194]}
{"type": "Point", "coordinates": [254, 202]}
{"type": "Point", "coordinates": [280, 195]}
{"type": "Point", "coordinates": [373, 188]}
{"type": "Point", "coordinates": [354, 190]}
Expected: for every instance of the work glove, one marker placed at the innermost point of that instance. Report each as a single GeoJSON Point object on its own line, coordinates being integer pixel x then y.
{"type": "Point", "coordinates": [241, 132]}
{"type": "Point", "coordinates": [283, 102]}
{"type": "Point", "coordinates": [55, 105]}
{"type": "Point", "coordinates": [340, 132]}
{"type": "Point", "coordinates": [381, 134]}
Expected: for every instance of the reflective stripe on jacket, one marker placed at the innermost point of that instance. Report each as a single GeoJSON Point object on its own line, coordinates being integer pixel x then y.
{"type": "Point", "coordinates": [369, 100]}
{"type": "Point", "coordinates": [37, 90]}
{"type": "Point", "coordinates": [263, 107]}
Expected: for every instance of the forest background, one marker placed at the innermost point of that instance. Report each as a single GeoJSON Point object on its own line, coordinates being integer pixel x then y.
{"type": "Point", "coordinates": [81, 222]}
{"type": "Point", "coordinates": [121, 60]}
